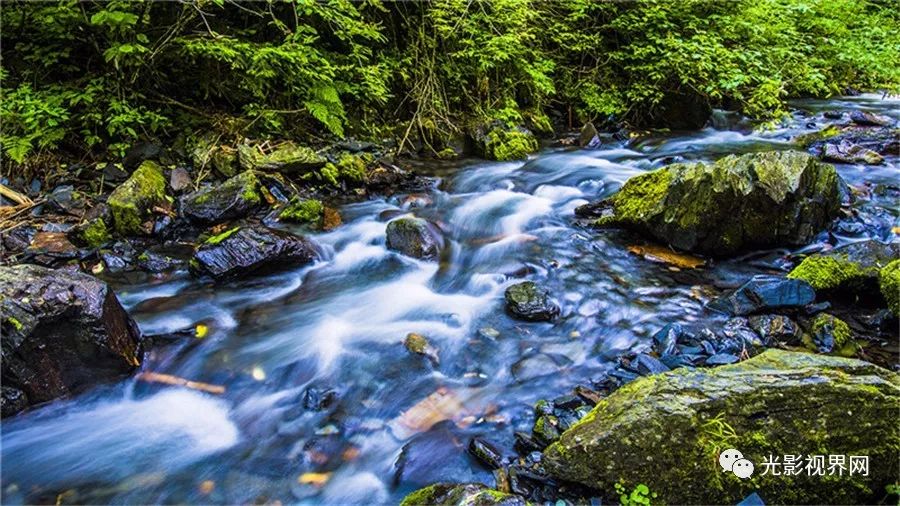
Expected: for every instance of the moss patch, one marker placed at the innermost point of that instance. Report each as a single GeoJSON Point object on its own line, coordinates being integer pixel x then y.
{"type": "Point", "coordinates": [302, 211]}
{"type": "Point", "coordinates": [216, 239]}
{"type": "Point", "coordinates": [889, 281]}
{"type": "Point", "coordinates": [826, 324]}
{"type": "Point", "coordinates": [830, 272]}
{"type": "Point", "coordinates": [641, 197]}
{"type": "Point", "coordinates": [95, 233]}
{"type": "Point", "coordinates": [131, 203]}
{"type": "Point", "coordinates": [512, 144]}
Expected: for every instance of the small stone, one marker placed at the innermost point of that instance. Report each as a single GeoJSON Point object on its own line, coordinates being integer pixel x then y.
{"type": "Point", "coordinates": [526, 301]}
{"type": "Point", "coordinates": [414, 237]}
{"type": "Point", "coordinates": [485, 452]}
{"type": "Point", "coordinates": [646, 364]}
{"type": "Point", "coordinates": [180, 180]}
{"type": "Point", "coordinates": [418, 344]}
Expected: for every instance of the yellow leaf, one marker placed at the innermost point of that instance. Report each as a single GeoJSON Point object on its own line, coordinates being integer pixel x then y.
{"type": "Point", "coordinates": [656, 253]}
{"type": "Point", "coordinates": [895, 230]}
{"type": "Point", "coordinates": [207, 486]}
{"type": "Point", "coordinates": [201, 331]}
{"type": "Point", "coordinates": [317, 479]}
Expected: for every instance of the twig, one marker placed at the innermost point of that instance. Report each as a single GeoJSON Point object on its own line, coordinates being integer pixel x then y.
{"type": "Point", "coordinates": [168, 379]}
{"type": "Point", "coordinates": [14, 195]}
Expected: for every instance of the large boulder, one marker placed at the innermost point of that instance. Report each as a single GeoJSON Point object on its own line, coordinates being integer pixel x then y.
{"type": "Point", "coordinates": [286, 157]}
{"type": "Point", "coordinates": [737, 203]}
{"type": "Point", "coordinates": [251, 249]}
{"type": "Point", "coordinates": [851, 270]}
{"type": "Point", "coordinates": [460, 494]}
{"type": "Point", "coordinates": [414, 237]}
{"type": "Point", "coordinates": [133, 202]}
{"type": "Point", "coordinates": [236, 197]}
{"type": "Point", "coordinates": [668, 430]}
{"type": "Point", "coordinates": [62, 331]}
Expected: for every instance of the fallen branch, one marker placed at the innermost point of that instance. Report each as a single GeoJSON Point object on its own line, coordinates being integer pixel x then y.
{"type": "Point", "coordinates": [168, 379]}
{"type": "Point", "coordinates": [13, 195]}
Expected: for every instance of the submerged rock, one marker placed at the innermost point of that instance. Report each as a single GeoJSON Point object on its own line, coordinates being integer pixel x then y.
{"type": "Point", "coordinates": [414, 237]}
{"type": "Point", "coordinates": [738, 203]}
{"type": "Point", "coordinates": [251, 249]}
{"type": "Point", "coordinates": [460, 494]}
{"type": "Point", "coordinates": [236, 197]}
{"type": "Point", "coordinates": [526, 301]}
{"type": "Point", "coordinates": [287, 157]}
{"type": "Point", "coordinates": [132, 203]}
{"type": "Point", "coordinates": [870, 119]}
{"type": "Point", "coordinates": [765, 293]}
{"type": "Point", "coordinates": [62, 331]}
{"type": "Point", "coordinates": [497, 141]}
{"type": "Point", "coordinates": [667, 431]}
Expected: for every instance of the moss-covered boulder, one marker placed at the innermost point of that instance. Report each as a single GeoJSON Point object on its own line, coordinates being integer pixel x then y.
{"type": "Point", "coordinates": [737, 203]}
{"type": "Point", "coordinates": [414, 237]}
{"type": "Point", "coordinates": [497, 141]}
{"type": "Point", "coordinates": [286, 157]}
{"type": "Point", "coordinates": [302, 211]}
{"type": "Point", "coordinates": [349, 168]}
{"type": "Point", "coordinates": [236, 197]}
{"type": "Point", "coordinates": [849, 270]}
{"type": "Point", "coordinates": [668, 430]}
{"type": "Point", "coordinates": [460, 494]}
{"type": "Point", "coordinates": [889, 280]}
{"type": "Point", "coordinates": [132, 202]}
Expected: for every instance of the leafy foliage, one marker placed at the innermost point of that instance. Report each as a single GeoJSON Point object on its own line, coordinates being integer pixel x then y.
{"type": "Point", "coordinates": [97, 76]}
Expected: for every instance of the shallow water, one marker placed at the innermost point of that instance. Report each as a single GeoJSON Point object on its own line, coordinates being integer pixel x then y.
{"type": "Point", "coordinates": [339, 324]}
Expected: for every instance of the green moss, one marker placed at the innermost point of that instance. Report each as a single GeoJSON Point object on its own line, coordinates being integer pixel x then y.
{"type": "Point", "coordinates": [95, 233]}
{"type": "Point", "coordinates": [446, 154]}
{"type": "Point", "coordinates": [302, 211]}
{"type": "Point", "coordinates": [420, 497]}
{"type": "Point", "coordinates": [830, 272]}
{"type": "Point", "coordinates": [641, 197]}
{"type": "Point", "coordinates": [353, 167]}
{"type": "Point", "coordinates": [515, 144]}
{"type": "Point", "coordinates": [889, 281]}
{"type": "Point", "coordinates": [14, 322]}
{"type": "Point", "coordinates": [131, 203]}
{"type": "Point", "coordinates": [827, 324]}
{"type": "Point", "coordinates": [216, 239]}
{"type": "Point", "coordinates": [828, 132]}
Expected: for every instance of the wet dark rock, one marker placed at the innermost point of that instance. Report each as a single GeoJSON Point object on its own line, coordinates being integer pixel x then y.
{"type": "Point", "coordinates": [414, 237]}
{"type": "Point", "coordinates": [65, 199]}
{"type": "Point", "coordinates": [588, 137]}
{"type": "Point", "coordinates": [651, 427]}
{"type": "Point", "coordinates": [456, 494]}
{"type": "Point", "coordinates": [485, 452]}
{"type": "Point", "coordinates": [645, 364]}
{"type": "Point", "coordinates": [829, 333]}
{"type": "Point", "coordinates": [545, 430]}
{"type": "Point", "coordinates": [846, 152]}
{"type": "Point", "coordinates": [775, 328]}
{"type": "Point", "coordinates": [318, 399]}
{"type": "Point", "coordinates": [738, 203]}
{"type": "Point", "coordinates": [114, 173]}
{"type": "Point", "coordinates": [526, 301]}
{"type": "Point", "coordinates": [870, 119]}
{"type": "Point", "coordinates": [765, 293]}
{"type": "Point", "coordinates": [834, 114]}
{"type": "Point", "coordinates": [666, 338]}
{"type": "Point", "coordinates": [388, 178]}
{"type": "Point", "coordinates": [737, 331]}
{"type": "Point", "coordinates": [180, 180]}
{"type": "Point", "coordinates": [113, 261]}
{"type": "Point", "coordinates": [18, 238]}
{"type": "Point", "coordinates": [568, 402]}
{"type": "Point", "coordinates": [524, 443]}
{"type": "Point", "coordinates": [12, 400]}
{"type": "Point", "coordinates": [155, 262]}
{"type": "Point", "coordinates": [589, 395]}
{"type": "Point", "coordinates": [62, 332]}
{"type": "Point", "coordinates": [251, 249]}
{"type": "Point", "coordinates": [237, 197]}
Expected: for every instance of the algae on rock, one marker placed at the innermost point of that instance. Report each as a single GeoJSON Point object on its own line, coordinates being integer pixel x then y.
{"type": "Point", "coordinates": [132, 202]}
{"type": "Point", "coordinates": [667, 430]}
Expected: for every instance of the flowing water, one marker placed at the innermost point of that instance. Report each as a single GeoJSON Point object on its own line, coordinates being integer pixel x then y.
{"type": "Point", "coordinates": [279, 342]}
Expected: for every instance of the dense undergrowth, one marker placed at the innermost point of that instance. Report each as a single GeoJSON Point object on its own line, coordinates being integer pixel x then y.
{"type": "Point", "coordinates": [91, 78]}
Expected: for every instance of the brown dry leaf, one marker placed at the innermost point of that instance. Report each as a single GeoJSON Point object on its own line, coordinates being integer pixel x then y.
{"type": "Point", "coordinates": [443, 404]}
{"type": "Point", "coordinates": [656, 253]}
{"type": "Point", "coordinates": [331, 218]}
{"type": "Point", "coordinates": [317, 479]}
{"type": "Point", "coordinates": [54, 243]}
{"type": "Point", "coordinates": [207, 486]}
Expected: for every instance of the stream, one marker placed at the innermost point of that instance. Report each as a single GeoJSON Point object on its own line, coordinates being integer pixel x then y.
{"type": "Point", "coordinates": [315, 373]}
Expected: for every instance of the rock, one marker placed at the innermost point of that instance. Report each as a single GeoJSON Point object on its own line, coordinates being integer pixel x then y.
{"type": "Point", "coordinates": [48, 247]}
{"type": "Point", "coordinates": [251, 249]}
{"type": "Point", "coordinates": [889, 280]}
{"type": "Point", "coordinates": [132, 203]}
{"type": "Point", "coordinates": [497, 141]}
{"type": "Point", "coordinates": [814, 138]}
{"type": "Point", "coordinates": [66, 199]}
{"type": "Point", "coordinates": [287, 157]}
{"type": "Point", "coordinates": [765, 293]}
{"type": "Point", "coordinates": [445, 444]}
{"type": "Point", "coordinates": [526, 301]}
{"type": "Point", "coordinates": [456, 494]}
{"type": "Point", "coordinates": [152, 261]}
{"type": "Point", "coordinates": [645, 364]}
{"type": "Point", "coordinates": [846, 271]}
{"type": "Point", "coordinates": [180, 180]}
{"type": "Point", "coordinates": [486, 453]}
{"type": "Point", "coordinates": [870, 119]}
{"type": "Point", "coordinates": [349, 169]}
{"type": "Point", "coordinates": [846, 152]}
{"type": "Point", "coordinates": [829, 333]}
{"type": "Point", "coordinates": [222, 158]}
{"type": "Point", "coordinates": [588, 136]}
{"type": "Point", "coordinates": [12, 401]}
{"type": "Point", "coordinates": [775, 403]}
{"type": "Point", "coordinates": [545, 430]}
{"type": "Point", "coordinates": [95, 231]}
{"type": "Point", "coordinates": [414, 237]}
{"type": "Point", "coordinates": [418, 344]}
{"type": "Point", "coordinates": [235, 198]}
{"type": "Point", "coordinates": [302, 211]}
{"type": "Point", "coordinates": [775, 328]}
{"type": "Point", "coordinates": [738, 203]}
{"type": "Point", "coordinates": [62, 331]}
